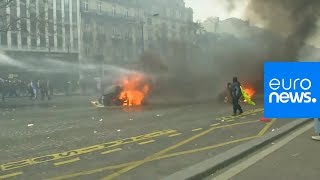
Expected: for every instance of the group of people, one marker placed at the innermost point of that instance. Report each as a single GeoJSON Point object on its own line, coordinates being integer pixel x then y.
{"type": "Point", "coordinates": [41, 87]}
{"type": "Point", "coordinates": [19, 88]}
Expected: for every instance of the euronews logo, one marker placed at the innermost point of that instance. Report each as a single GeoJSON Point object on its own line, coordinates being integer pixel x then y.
{"type": "Point", "coordinates": [296, 91]}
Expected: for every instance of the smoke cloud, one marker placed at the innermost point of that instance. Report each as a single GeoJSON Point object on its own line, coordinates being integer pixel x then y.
{"type": "Point", "coordinates": [295, 20]}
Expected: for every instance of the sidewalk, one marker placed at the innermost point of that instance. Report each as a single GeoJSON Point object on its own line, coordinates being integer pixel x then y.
{"type": "Point", "coordinates": [297, 159]}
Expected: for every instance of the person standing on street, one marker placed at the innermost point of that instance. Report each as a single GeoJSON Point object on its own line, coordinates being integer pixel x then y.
{"type": "Point", "coordinates": [236, 95]}
{"type": "Point", "coordinates": [317, 129]}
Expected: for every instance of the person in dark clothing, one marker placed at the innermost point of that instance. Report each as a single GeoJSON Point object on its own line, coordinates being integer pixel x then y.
{"type": "Point", "coordinates": [44, 90]}
{"type": "Point", "coordinates": [236, 94]}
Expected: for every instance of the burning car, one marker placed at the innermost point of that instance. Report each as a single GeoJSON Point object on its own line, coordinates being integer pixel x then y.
{"type": "Point", "coordinates": [129, 90]}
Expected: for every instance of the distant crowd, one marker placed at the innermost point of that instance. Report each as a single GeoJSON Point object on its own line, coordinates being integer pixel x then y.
{"type": "Point", "coordinates": [20, 88]}
{"type": "Point", "coordinates": [43, 88]}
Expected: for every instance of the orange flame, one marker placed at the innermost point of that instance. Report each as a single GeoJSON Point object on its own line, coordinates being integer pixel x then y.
{"type": "Point", "coordinates": [249, 91]}
{"type": "Point", "coordinates": [135, 89]}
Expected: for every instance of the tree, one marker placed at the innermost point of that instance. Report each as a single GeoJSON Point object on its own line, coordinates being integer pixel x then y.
{"type": "Point", "coordinates": [9, 21]}
{"type": "Point", "coordinates": [27, 19]}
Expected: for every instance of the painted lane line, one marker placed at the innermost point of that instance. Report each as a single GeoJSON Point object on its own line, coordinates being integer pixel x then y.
{"type": "Point", "coordinates": [212, 125]}
{"type": "Point", "coordinates": [245, 113]}
{"type": "Point", "coordinates": [173, 135]}
{"type": "Point", "coordinates": [11, 175]}
{"type": "Point", "coordinates": [85, 150]}
{"type": "Point", "coordinates": [110, 151]}
{"type": "Point", "coordinates": [163, 151]}
{"type": "Point", "coordinates": [198, 129]}
{"type": "Point", "coordinates": [231, 120]}
{"type": "Point", "coordinates": [233, 171]}
{"type": "Point", "coordinates": [66, 162]}
{"type": "Point", "coordinates": [146, 142]}
{"type": "Point", "coordinates": [166, 156]}
{"type": "Point", "coordinates": [267, 127]}
{"type": "Point", "coordinates": [89, 172]}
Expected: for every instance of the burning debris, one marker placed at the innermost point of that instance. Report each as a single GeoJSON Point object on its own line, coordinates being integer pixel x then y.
{"type": "Point", "coordinates": [134, 89]}
{"type": "Point", "coordinates": [129, 90]}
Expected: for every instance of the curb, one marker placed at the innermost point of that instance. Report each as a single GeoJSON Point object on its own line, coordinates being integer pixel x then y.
{"type": "Point", "coordinates": [210, 166]}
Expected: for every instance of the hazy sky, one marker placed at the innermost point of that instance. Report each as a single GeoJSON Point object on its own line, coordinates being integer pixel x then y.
{"type": "Point", "coordinates": [218, 8]}
{"type": "Point", "coordinates": [206, 8]}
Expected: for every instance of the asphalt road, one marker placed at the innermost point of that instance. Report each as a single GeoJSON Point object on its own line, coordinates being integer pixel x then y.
{"type": "Point", "coordinates": [68, 138]}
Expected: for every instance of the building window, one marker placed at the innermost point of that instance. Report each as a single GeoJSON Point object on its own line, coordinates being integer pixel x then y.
{"type": "Point", "coordinates": [86, 5]}
{"type": "Point", "coordinates": [113, 10]}
{"type": "Point", "coordinates": [149, 21]}
{"type": "Point", "coordinates": [86, 27]}
{"type": "Point", "coordinates": [128, 34]}
{"type": "Point", "coordinates": [101, 29]}
{"type": "Point", "coordinates": [114, 30]}
{"type": "Point", "coordinates": [99, 4]}
{"type": "Point", "coordinates": [127, 13]}
{"type": "Point", "coordinates": [66, 5]}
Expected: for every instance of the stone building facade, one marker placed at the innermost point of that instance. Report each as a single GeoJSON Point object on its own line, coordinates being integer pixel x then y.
{"type": "Point", "coordinates": [118, 32]}
{"type": "Point", "coordinates": [38, 30]}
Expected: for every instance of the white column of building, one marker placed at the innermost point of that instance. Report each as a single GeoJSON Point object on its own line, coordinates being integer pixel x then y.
{"type": "Point", "coordinates": [18, 24]}
{"type": "Point", "coordinates": [55, 37]}
{"type": "Point", "coordinates": [46, 27]}
{"type": "Point", "coordinates": [28, 23]}
{"type": "Point", "coordinates": [38, 24]}
{"type": "Point", "coordinates": [78, 26]}
{"type": "Point", "coordinates": [79, 36]}
{"type": "Point", "coordinates": [9, 31]}
{"type": "Point", "coordinates": [63, 26]}
{"type": "Point", "coordinates": [71, 24]}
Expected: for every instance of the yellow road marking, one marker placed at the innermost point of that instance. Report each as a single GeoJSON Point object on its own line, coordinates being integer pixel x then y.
{"type": "Point", "coordinates": [207, 147]}
{"type": "Point", "coordinates": [244, 114]}
{"type": "Point", "coordinates": [91, 171]}
{"type": "Point", "coordinates": [146, 142]}
{"type": "Point", "coordinates": [110, 151]}
{"type": "Point", "coordinates": [198, 129]}
{"type": "Point", "coordinates": [148, 158]}
{"type": "Point", "coordinates": [173, 135]}
{"type": "Point", "coordinates": [266, 128]}
{"type": "Point", "coordinates": [86, 150]}
{"type": "Point", "coordinates": [212, 125]}
{"type": "Point", "coordinates": [66, 162]}
{"type": "Point", "coordinates": [155, 159]}
{"type": "Point", "coordinates": [10, 175]}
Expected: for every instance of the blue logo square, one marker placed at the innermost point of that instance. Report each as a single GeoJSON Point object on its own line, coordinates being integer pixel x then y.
{"type": "Point", "coordinates": [292, 89]}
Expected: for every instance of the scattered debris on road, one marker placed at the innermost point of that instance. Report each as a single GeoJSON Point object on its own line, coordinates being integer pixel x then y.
{"type": "Point", "coordinates": [295, 155]}
{"type": "Point", "coordinates": [30, 125]}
